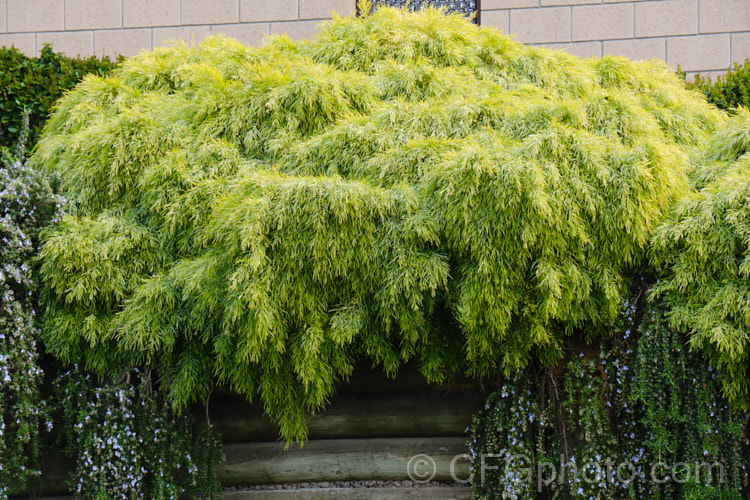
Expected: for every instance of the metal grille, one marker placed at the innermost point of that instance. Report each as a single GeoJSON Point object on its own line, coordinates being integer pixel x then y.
{"type": "Point", "coordinates": [466, 7]}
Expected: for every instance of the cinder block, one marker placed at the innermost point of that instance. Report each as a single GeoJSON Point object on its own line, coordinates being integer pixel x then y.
{"type": "Point", "coordinates": [498, 19]}
{"type": "Point", "coordinates": [39, 15]}
{"type": "Point", "coordinates": [3, 8]}
{"type": "Point", "coordinates": [665, 18]}
{"type": "Point", "coordinates": [740, 47]}
{"type": "Point", "coordinates": [299, 30]}
{"type": "Point", "coordinates": [162, 36]}
{"type": "Point", "coordinates": [278, 10]}
{"type": "Point", "coordinates": [603, 22]}
{"type": "Point", "coordinates": [72, 44]}
{"type": "Point", "coordinates": [121, 42]}
{"type": "Point", "coordinates": [321, 9]}
{"type": "Point", "coordinates": [210, 11]}
{"type": "Point", "coordinates": [92, 14]}
{"type": "Point", "coordinates": [621, 1]}
{"type": "Point", "coordinates": [25, 42]}
{"type": "Point", "coordinates": [718, 16]}
{"type": "Point", "coordinates": [508, 4]}
{"type": "Point", "coordinates": [690, 76]}
{"type": "Point", "coordinates": [541, 25]}
{"type": "Point", "coordinates": [145, 13]}
{"type": "Point", "coordinates": [546, 3]}
{"type": "Point", "coordinates": [698, 52]}
{"type": "Point", "coordinates": [580, 49]}
{"type": "Point", "coordinates": [637, 50]}
{"type": "Point", "coordinates": [711, 75]}
{"type": "Point", "coordinates": [248, 34]}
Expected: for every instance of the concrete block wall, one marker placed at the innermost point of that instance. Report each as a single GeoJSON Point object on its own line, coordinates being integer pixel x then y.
{"type": "Point", "coordinates": [698, 35]}
{"type": "Point", "coordinates": [113, 27]}
{"type": "Point", "coordinates": [705, 36]}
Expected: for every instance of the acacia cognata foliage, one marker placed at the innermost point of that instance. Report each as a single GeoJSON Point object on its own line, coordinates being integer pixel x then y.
{"type": "Point", "coordinates": [405, 186]}
{"type": "Point", "coordinates": [703, 248]}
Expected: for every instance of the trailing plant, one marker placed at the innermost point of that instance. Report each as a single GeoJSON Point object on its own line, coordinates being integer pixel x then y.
{"type": "Point", "coordinates": [685, 419]}
{"type": "Point", "coordinates": [128, 444]}
{"type": "Point", "coordinates": [730, 90]}
{"type": "Point", "coordinates": [27, 202]}
{"type": "Point", "coordinates": [640, 416]}
{"type": "Point", "coordinates": [32, 84]}
{"type": "Point", "coordinates": [405, 186]}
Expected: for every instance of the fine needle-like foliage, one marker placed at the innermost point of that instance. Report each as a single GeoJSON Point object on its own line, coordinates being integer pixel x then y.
{"type": "Point", "coordinates": [704, 248]}
{"type": "Point", "coordinates": [406, 186]}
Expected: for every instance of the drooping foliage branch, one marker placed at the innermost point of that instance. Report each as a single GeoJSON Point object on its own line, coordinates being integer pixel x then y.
{"type": "Point", "coordinates": [405, 186]}
{"type": "Point", "coordinates": [704, 254]}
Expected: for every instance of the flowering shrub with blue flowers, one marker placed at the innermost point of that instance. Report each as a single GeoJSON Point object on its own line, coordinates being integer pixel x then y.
{"type": "Point", "coordinates": [27, 201]}
{"type": "Point", "coordinates": [125, 441]}
{"type": "Point", "coordinates": [128, 444]}
{"type": "Point", "coordinates": [640, 416]}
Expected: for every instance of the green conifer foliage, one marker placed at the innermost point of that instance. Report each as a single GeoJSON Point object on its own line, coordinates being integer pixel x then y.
{"type": "Point", "coordinates": [704, 251]}
{"type": "Point", "coordinates": [406, 186]}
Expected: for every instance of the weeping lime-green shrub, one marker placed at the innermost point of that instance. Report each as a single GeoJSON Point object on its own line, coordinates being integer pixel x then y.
{"type": "Point", "coordinates": [406, 186]}
{"type": "Point", "coordinates": [704, 251]}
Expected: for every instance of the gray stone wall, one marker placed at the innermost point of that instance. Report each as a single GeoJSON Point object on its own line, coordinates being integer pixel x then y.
{"type": "Point", "coordinates": [699, 35]}
{"type": "Point", "coordinates": [112, 27]}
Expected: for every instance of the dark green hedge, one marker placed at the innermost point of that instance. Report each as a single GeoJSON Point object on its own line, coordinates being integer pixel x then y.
{"type": "Point", "coordinates": [728, 91]}
{"type": "Point", "coordinates": [35, 83]}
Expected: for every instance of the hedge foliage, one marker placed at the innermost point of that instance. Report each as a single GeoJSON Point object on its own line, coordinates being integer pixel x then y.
{"type": "Point", "coordinates": [33, 84]}
{"type": "Point", "coordinates": [730, 90]}
{"type": "Point", "coordinates": [405, 186]}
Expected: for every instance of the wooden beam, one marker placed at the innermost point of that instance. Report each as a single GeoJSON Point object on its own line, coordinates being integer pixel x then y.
{"type": "Point", "coordinates": [419, 493]}
{"type": "Point", "coordinates": [384, 459]}
{"type": "Point", "coordinates": [345, 460]}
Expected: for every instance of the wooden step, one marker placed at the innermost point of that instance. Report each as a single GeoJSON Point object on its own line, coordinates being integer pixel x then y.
{"type": "Point", "coordinates": [423, 493]}
{"type": "Point", "coordinates": [382, 459]}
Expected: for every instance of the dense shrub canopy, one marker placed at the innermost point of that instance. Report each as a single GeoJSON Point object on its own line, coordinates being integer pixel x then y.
{"type": "Point", "coordinates": [704, 248]}
{"type": "Point", "coordinates": [404, 186]}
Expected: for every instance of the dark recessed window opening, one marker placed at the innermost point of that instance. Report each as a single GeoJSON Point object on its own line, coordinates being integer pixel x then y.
{"type": "Point", "coordinates": [466, 7]}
